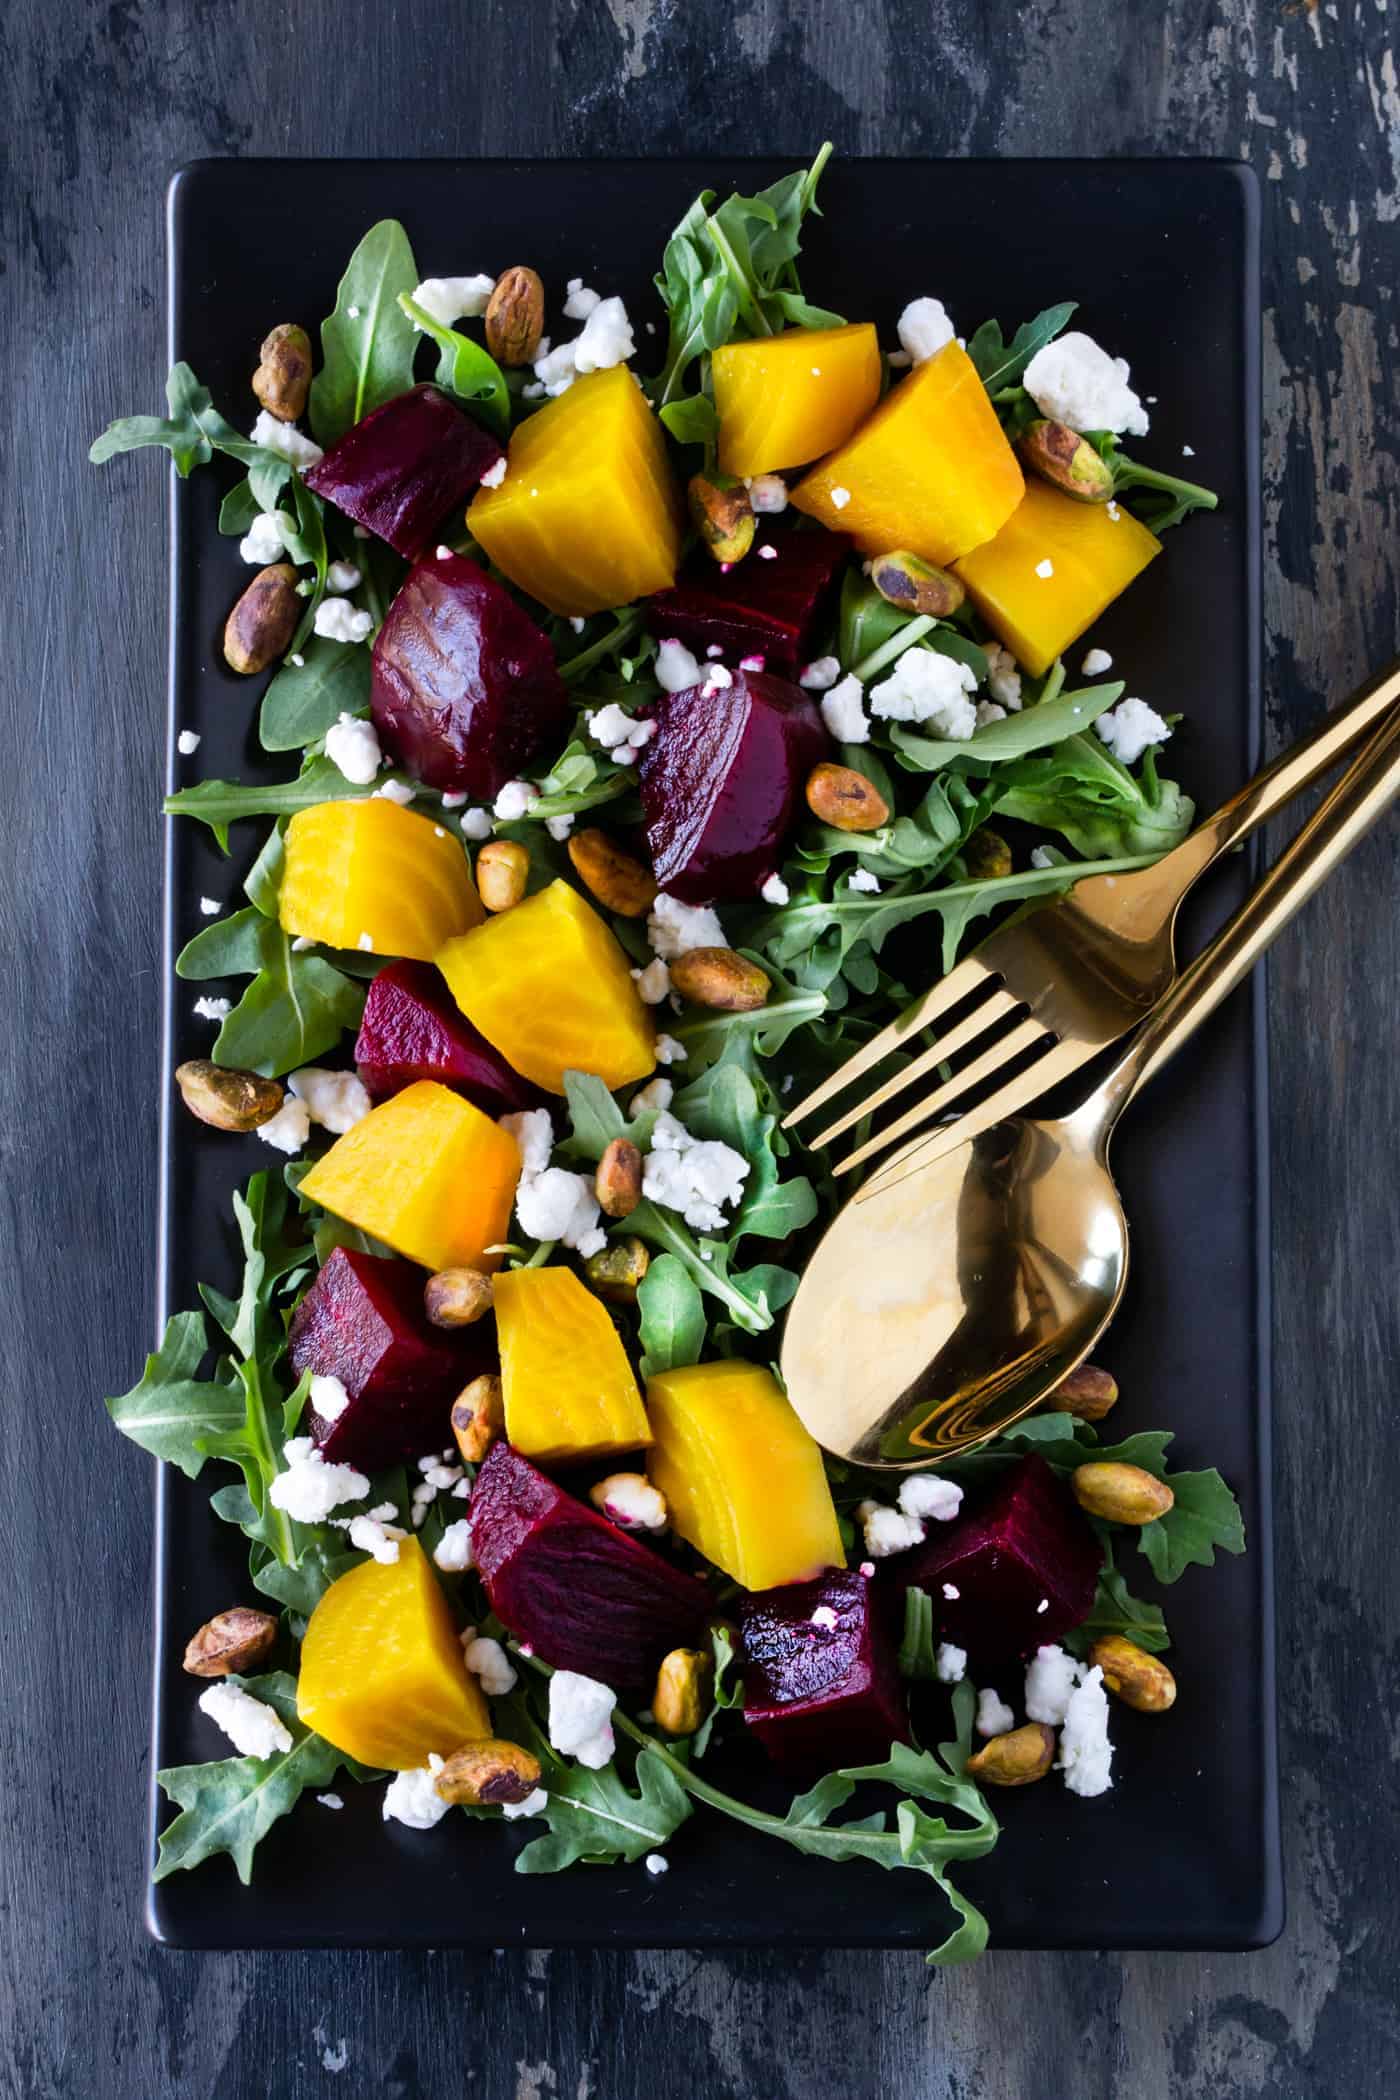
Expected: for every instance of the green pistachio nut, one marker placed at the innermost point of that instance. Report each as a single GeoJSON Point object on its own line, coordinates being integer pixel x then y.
{"type": "Point", "coordinates": [723, 515]}
{"type": "Point", "coordinates": [987, 855]}
{"type": "Point", "coordinates": [1067, 461]}
{"type": "Point", "coordinates": [916, 586]}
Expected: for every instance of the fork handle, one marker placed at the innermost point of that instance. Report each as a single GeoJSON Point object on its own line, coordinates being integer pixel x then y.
{"type": "Point", "coordinates": [1362, 796]}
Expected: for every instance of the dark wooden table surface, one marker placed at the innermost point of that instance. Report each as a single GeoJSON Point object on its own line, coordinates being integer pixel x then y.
{"type": "Point", "coordinates": [99, 103]}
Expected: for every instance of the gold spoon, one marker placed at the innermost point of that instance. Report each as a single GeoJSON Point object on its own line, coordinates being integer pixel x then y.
{"type": "Point", "coordinates": [948, 1299]}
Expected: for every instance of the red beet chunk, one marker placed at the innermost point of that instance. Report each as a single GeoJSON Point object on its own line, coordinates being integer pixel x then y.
{"type": "Point", "coordinates": [585, 1595]}
{"type": "Point", "coordinates": [722, 783]}
{"type": "Point", "coordinates": [767, 608]}
{"type": "Point", "coordinates": [464, 689]}
{"type": "Point", "coordinates": [362, 1321]}
{"type": "Point", "coordinates": [817, 1696]}
{"type": "Point", "coordinates": [400, 471]}
{"type": "Point", "coordinates": [414, 1029]}
{"type": "Point", "coordinates": [1028, 1544]}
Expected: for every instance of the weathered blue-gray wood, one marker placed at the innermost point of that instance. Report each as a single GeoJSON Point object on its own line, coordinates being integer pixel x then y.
{"type": "Point", "coordinates": [100, 103]}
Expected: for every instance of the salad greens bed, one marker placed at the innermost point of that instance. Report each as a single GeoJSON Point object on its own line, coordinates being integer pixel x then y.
{"type": "Point", "coordinates": [220, 1387]}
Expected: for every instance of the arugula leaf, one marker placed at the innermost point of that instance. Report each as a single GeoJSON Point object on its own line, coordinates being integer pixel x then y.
{"type": "Point", "coordinates": [918, 1656]}
{"type": "Point", "coordinates": [1204, 1515]}
{"type": "Point", "coordinates": [238, 510]}
{"type": "Point", "coordinates": [672, 1317]}
{"type": "Point", "coordinates": [1048, 722]}
{"type": "Point", "coordinates": [999, 365]}
{"type": "Point", "coordinates": [192, 433]}
{"type": "Point", "coordinates": [1081, 790]}
{"type": "Point", "coordinates": [726, 1686]}
{"type": "Point", "coordinates": [709, 1035]}
{"type": "Point", "coordinates": [230, 1804]}
{"type": "Point", "coordinates": [1116, 1610]}
{"type": "Point", "coordinates": [305, 700]}
{"type": "Point", "coordinates": [597, 1817]}
{"type": "Point", "coordinates": [270, 1252]}
{"type": "Point", "coordinates": [219, 803]}
{"type": "Point", "coordinates": [693, 420]}
{"type": "Point", "coordinates": [464, 368]}
{"type": "Point", "coordinates": [724, 1104]}
{"type": "Point", "coordinates": [172, 1413]}
{"type": "Point", "coordinates": [368, 343]}
{"type": "Point", "coordinates": [1169, 498]}
{"type": "Point", "coordinates": [297, 1006]}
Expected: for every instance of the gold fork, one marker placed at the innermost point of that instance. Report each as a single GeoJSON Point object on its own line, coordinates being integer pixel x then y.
{"type": "Point", "coordinates": [1052, 988]}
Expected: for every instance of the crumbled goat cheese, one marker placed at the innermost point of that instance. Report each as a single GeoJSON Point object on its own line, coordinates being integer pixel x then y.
{"type": "Point", "coordinates": [674, 928]}
{"type": "Point", "coordinates": [476, 823]}
{"type": "Point", "coordinates": [1129, 728]}
{"type": "Point", "coordinates": [453, 1551]}
{"type": "Point", "coordinates": [951, 1592]}
{"type": "Point", "coordinates": [342, 576]}
{"type": "Point", "coordinates": [630, 1501]}
{"type": "Point", "coordinates": [657, 1864]}
{"type": "Point", "coordinates": [534, 1804]}
{"type": "Point", "coordinates": [534, 1136]}
{"type": "Point", "coordinates": [840, 498]}
{"type": "Point", "coordinates": [453, 798]}
{"type": "Point", "coordinates": [210, 906]}
{"type": "Point", "coordinates": [373, 1536]}
{"type": "Point", "coordinates": [1045, 569]}
{"type": "Point", "coordinates": [994, 1716]}
{"type": "Point", "coordinates": [341, 621]}
{"type": "Point", "coordinates": [843, 712]}
{"type": "Point", "coordinates": [862, 879]}
{"type": "Point", "coordinates": [924, 328]}
{"type": "Point", "coordinates": [775, 890]}
{"type": "Point", "coordinates": [1086, 1754]}
{"type": "Point", "coordinates": [930, 1495]}
{"type": "Point", "coordinates": [494, 476]}
{"type": "Point", "coordinates": [328, 1397]}
{"type": "Point", "coordinates": [888, 1531]}
{"type": "Point", "coordinates": [365, 941]}
{"type": "Point", "coordinates": [767, 552]}
{"type": "Point", "coordinates": [411, 1797]}
{"type": "Point", "coordinates": [1003, 678]}
{"type": "Point", "coordinates": [1042, 857]}
{"type": "Point", "coordinates": [1188, 452]}
{"type": "Point", "coordinates": [675, 667]}
{"type": "Point", "coordinates": [927, 688]}
{"type": "Point", "coordinates": [1051, 1677]}
{"type": "Point", "coordinates": [581, 301]}
{"type": "Point", "coordinates": [820, 675]}
{"type": "Point", "coordinates": [824, 1617]}
{"type": "Point", "coordinates": [1113, 511]}
{"type": "Point", "coordinates": [649, 1100]}
{"type": "Point", "coordinates": [898, 360]}
{"type": "Point", "coordinates": [692, 1175]}
{"type": "Point", "coordinates": [514, 800]}
{"type": "Point", "coordinates": [607, 338]}
{"type": "Point", "coordinates": [450, 299]}
{"type": "Point", "coordinates": [669, 1051]}
{"type": "Point", "coordinates": [717, 680]}
{"type": "Point", "coordinates": [490, 1666]}
{"type": "Point", "coordinates": [330, 1801]}
{"type": "Point", "coordinates": [1096, 663]}
{"type": "Point", "coordinates": [752, 663]}
{"type": "Point", "coordinates": [555, 370]}
{"type": "Point", "coordinates": [1074, 380]}
{"type": "Point", "coordinates": [285, 440]}
{"type": "Point", "coordinates": [289, 1129]}
{"type": "Point", "coordinates": [263, 540]}
{"type": "Point", "coordinates": [396, 791]}
{"type": "Point", "coordinates": [254, 1728]}
{"type": "Point", "coordinates": [302, 942]}
{"type": "Point", "coordinates": [654, 982]}
{"type": "Point", "coordinates": [310, 1489]}
{"type": "Point", "coordinates": [988, 712]}
{"type": "Point", "coordinates": [335, 1100]}
{"type": "Point", "coordinates": [951, 1663]}
{"type": "Point", "coordinates": [620, 734]}
{"type": "Point", "coordinates": [558, 1205]}
{"type": "Point", "coordinates": [188, 742]}
{"type": "Point", "coordinates": [580, 1718]}
{"type": "Point", "coordinates": [352, 745]}
{"type": "Point", "coordinates": [442, 553]}
{"type": "Point", "coordinates": [213, 1009]}
{"type": "Point", "coordinates": [767, 494]}
{"type": "Point", "coordinates": [560, 827]}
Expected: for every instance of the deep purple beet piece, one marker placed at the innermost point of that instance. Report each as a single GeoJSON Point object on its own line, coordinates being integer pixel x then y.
{"type": "Point", "coordinates": [722, 783]}
{"type": "Point", "coordinates": [764, 607]}
{"type": "Point", "coordinates": [820, 1695]}
{"type": "Point", "coordinates": [414, 1029]}
{"type": "Point", "coordinates": [362, 1321]}
{"type": "Point", "coordinates": [400, 471]}
{"type": "Point", "coordinates": [1027, 1545]}
{"type": "Point", "coordinates": [464, 688]}
{"type": "Point", "coordinates": [585, 1595]}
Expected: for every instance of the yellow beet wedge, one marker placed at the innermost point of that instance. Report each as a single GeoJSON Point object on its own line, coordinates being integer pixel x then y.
{"type": "Point", "coordinates": [744, 1481]}
{"type": "Point", "coordinates": [375, 876]}
{"type": "Point", "coordinates": [548, 985]}
{"type": "Point", "coordinates": [1093, 552]}
{"type": "Point", "coordinates": [426, 1173]}
{"type": "Point", "coordinates": [785, 399]}
{"type": "Point", "coordinates": [569, 1389]}
{"type": "Point", "coordinates": [930, 471]}
{"type": "Point", "coordinates": [588, 515]}
{"type": "Point", "coordinates": [382, 1675]}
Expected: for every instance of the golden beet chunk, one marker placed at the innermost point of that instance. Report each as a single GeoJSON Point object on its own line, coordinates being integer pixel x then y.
{"type": "Point", "coordinates": [569, 1389]}
{"type": "Point", "coordinates": [375, 876]}
{"type": "Point", "coordinates": [785, 399]}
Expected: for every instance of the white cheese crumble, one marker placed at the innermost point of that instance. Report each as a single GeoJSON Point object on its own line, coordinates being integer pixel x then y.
{"type": "Point", "coordinates": [210, 907]}
{"type": "Point", "coordinates": [490, 1666]}
{"type": "Point", "coordinates": [412, 1798]}
{"type": "Point", "coordinates": [1045, 569]}
{"type": "Point", "coordinates": [930, 1495]}
{"type": "Point", "coordinates": [515, 800]}
{"type": "Point", "coordinates": [1096, 663]}
{"type": "Point", "coordinates": [285, 440]}
{"type": "Point", "coordinates": [768, 552]}
{"type": "Point", "coordinates": [674, 928]}
{"type": "Point", "coordinates": [767, 494]}
{"type": "Point", "coordinates": [581, 300]}
{"type": "Point", "coordinates": [310, 1489]}
{"type": "Point", "coordinates": [1129, 728]}
{"type": "Point", "coordinates": [263, 540]}
{"type": "Point", "coordinates": [494, 476]}
{"type": "Point", "coordinates": [1086, 1754]}
{"type": "Point", "coordinates": [342, 576]}
{"type": "Point", "coordinates": [328, 1396]}
{"type": "Point", "coordinates": [669, 1051]}
{"type": "Point", "coordinates": [862, 879]}
{"type": "Point", "coordinates": [396, 791]}
{"type": "Point", "coordinates": [341, 621]}
{"type": "Point", "coordinates": [1074, 380]}
{"type": "Point", "coordinates": [676, 668]}
{"type": "Point", "coordinates": [1051, 1677]}
{"type": "Point", "coordinates": [559, 827]}
{"type": "Point", "coordinates": [657, 1864]}
{"type": "Point", "coordinates": [630, 1501]}
{"type": "Point", "coordinates": [580, 1718]}
{"type": "Point", "coordinates": [951, 1592]}
{"type": "Point", "coordinates": [820, 675]}
{"type": "Point", "coordinates": [988, 712]}
{"type": "Point", "coordinates": [453, 1551]}
{"type": "Point", "coordinates": [994, 1716]}
{"type": "Point", "coordinates": [352, 746]}
{"type": "Point", "coordinates": [607, 338]}
{"type": "Point", "coordinates": [695, 1176]}
{"type": "Point", "coordinates": [329, 1801]}
{"type": "Point", "coordinates": [534, 1804]}
{"type": "Point", "coordinates": [843, 712]}
{"type": "Point", "coordinates": [649, 1100]}
{"type": "Point", "coordinates": [621, 735]}
{"type": "Point", "coordinates": [1003, 677]}
{"type": "Point", "coordinates": [717, 680]}
{"type": "Point", "coordinates": [289, 1129]}
{"type": "Point", "coordinates": [840, 498]}
{"type": "Point", "coordinates": [534, 1137]}
{"type": "Point", "coordinates": [373, 1536]}
{"type": "Point", "coordinates": [188, 742]}
{"type": "Point", "coordinates": [888, 1531]}
{"type": "Point", "coordinates": [365, 941]}
{"type": "Point", "coordinates": [924, 328]}
{"type": "Point", "coordinates": [654, 982]}
{"type": "Point", "coordinates": [824, 1617]}
{"type": "Point", "coordinates": [927, 688]}
{"type": "Point", "coordinates": [951, 1663]}
{"type": "Point", "coordinates": [335, 1100]}
{"type": "Point", "coordinates": [476, 823]}
{"type": "Point", "coordinates": [213, 1009]}
{"type": "Point", "coordinates": [451, 299]}
{"type": "Point", "coordinates": [558, 1205]}
{"type": "Point", "coordinates": [254, 1728]}
{"type": "Point", "coordinates": [775, 891]}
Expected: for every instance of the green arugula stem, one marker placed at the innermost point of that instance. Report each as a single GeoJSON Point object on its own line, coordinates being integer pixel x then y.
{"type": "Point", "coordinates": [1127, 474]}
{"type": "Point", "coordinates": [749, 307]}
{"type": "Point", "coordinates": [922, 624]}
{"type": "Point", "coordinates": [624, 627]}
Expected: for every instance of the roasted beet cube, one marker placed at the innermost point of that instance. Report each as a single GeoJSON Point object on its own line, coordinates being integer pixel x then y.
{"type": "Point", "coordinates": [821, 1678]}
{"type": "Point", "coordinates": [585, 1595]}
{"type": "Point", "coordinates": [414, 1029]}
{"type": "Point", "coordinates": [400, 471]}
{"type": "Point", "coordinates": [766, 607]}
{"type": "Point", "coordinates": [362, 1321]}
{"type": "Point", "coordinates": [1025, 1565]}
{"type": "Point", "coordinates": [722, 783]}
{"type": "Point", "coordinates": [464, 688]}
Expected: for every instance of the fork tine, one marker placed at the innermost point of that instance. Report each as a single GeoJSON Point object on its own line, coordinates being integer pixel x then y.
{"type": "Point", "coordinates": [937, 1000]}
{"type": "Point", "coordinates": [1009, 1100]}
{"type": "Point", "coordinates": [984, 1015]}
{"type": "Point", "coordinates": [1024, 1036]}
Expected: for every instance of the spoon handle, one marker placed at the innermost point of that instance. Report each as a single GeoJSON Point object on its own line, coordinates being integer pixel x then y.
{"type": "Point", "coordinates": [1362, 795]}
